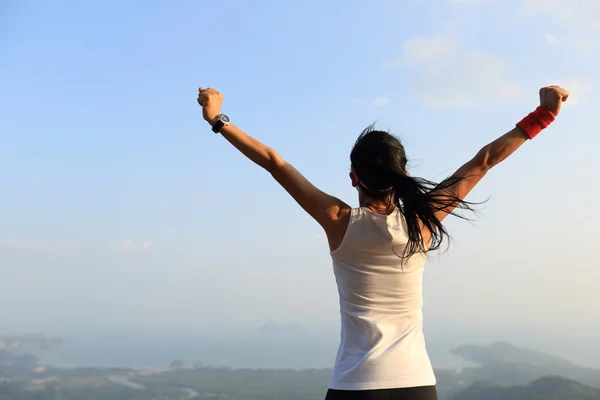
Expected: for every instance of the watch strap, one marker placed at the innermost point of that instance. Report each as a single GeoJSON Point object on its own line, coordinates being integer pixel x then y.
{"type": "Point", "coordinates": [216, 128]}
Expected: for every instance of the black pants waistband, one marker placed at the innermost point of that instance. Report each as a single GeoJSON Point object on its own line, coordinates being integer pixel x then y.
{"type": "Point", "coordinates": [413, 393]}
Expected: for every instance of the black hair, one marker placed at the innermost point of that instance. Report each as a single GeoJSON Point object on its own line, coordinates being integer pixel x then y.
{"type": "Point", "coordinates": [378, 162]}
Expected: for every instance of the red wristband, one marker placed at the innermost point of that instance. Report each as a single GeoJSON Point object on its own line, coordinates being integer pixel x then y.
{"type": "Point", "coordinates": [536, 121]}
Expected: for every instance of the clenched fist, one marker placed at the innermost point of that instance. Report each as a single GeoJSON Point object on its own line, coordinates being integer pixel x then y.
{"type": "Point", "coordinates": [552, 97]}
{"type": "Point", "coordinates": [210, 100]}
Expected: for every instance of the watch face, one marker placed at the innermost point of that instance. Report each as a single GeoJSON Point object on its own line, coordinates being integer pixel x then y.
{"type": "Point", "coordinates": [224, 118]}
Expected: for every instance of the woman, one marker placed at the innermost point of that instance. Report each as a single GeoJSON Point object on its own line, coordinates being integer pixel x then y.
{"type": "Point", "coordinates": [379, 249]}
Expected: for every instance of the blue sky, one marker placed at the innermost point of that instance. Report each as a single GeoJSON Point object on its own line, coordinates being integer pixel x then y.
{"type": "Point", "coordinates": [122, 209]}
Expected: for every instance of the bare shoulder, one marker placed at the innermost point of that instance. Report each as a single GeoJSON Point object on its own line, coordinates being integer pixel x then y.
{"type": "Point", "coordinates": [339, 220]}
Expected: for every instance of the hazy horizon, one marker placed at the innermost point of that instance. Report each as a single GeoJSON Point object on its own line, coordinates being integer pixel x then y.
{"type": "Point", "coordinates": [283, 347]}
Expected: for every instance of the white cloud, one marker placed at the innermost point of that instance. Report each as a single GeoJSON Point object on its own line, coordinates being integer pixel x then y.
{"type": "Point", "coordinates": [425, 49]}
{"type": "Point", "coordinates": [376, 102]}
{"type": "Point", "coordinates": [379, 101]}
{"type": "Point", "coordinates": [578, 19]}
{"type": "Point", "coordinates": [127, 244]}
{"type": "Point", "coordinates": [577, 88]}
{"type": "Point", "coordinates": [453, 79]}
{"type": "Point", "coordinates": [470, 80]}
{"type": "Point", "coordinates": [559, 10]}
{"type": "Point", "coordinates": [551, 38]}
{"type": "Point", "coordinates": [131, 245]}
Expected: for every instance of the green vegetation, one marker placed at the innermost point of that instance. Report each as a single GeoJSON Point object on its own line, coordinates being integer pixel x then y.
{"type": "Point", "coordinates": [248, 384]}
{"type": "Point", "coordinates": [505, 364]}
{"type": "Point", "coordinates": [230, 384]}
{"type": "Point", "coordinates": [504, 372]}
{"type": "Point", "coordinates": [548, 388]}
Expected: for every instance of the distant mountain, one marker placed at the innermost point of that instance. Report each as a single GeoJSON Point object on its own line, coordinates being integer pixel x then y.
{"type": "Point", "coordinates": [8, 358]}
{"type": "Point", "coordinates": [29, 343]}
{"type": "Point", "coordinates": [506, 352]}
{"type": "Point", "coordinates": [505, 364]}
{"type": "Point", "coordinates": [547, 388]}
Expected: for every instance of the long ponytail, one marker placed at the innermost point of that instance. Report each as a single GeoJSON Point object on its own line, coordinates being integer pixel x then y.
{"type": "Point", "coordinates": [419, 199]}
{"type": "Point", "coordinates": [378, 161]}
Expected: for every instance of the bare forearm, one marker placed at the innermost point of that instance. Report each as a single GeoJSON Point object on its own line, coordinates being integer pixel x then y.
{"type": "Point", "coordinates": [450, 193]}
{"type": "Point", "coordinates": [257, 152]}
{"type": "Point", "coordinates": [498, 150]}
{"type": "Point", "coordinates": [453, 191]}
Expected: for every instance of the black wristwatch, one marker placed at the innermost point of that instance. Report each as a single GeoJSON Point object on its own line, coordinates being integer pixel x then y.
{"type": "Point", "coordinates": [222, 120]}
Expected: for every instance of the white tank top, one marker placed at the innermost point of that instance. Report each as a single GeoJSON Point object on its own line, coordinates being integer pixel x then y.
{"type": "Point", "coordinates": [382, 344]}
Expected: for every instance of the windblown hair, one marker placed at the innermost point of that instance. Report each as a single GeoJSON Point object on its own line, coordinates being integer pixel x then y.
{"type": "Point", "coordinates": [378, 162]}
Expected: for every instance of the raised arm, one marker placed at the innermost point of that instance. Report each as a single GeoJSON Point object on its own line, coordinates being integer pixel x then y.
{"type": "Point", "coordinates": [327, 210]}
{"type": "Point", "coordinates": [467, 176]}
